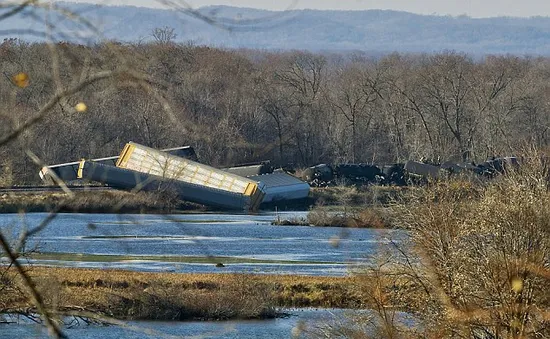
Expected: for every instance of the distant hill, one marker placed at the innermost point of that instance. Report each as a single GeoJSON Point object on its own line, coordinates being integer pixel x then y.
{"type": "Point", "coordinates": [372, 30]}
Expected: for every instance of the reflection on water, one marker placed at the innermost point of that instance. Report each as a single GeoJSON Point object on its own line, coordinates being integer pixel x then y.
{"type": "Point", "coordinates": [275, 328]}
{"type": "Point", "coordinates": [250, 240]}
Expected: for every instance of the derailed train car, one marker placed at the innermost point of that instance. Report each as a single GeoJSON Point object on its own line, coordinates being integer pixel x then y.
{"type": "Point", "coordinates": [190, 180]}
{"type": "Point", "coordinates": [320, 175]}
{"type": "Point", "coordinates": [248, 170]}
{"type": "Point", "coordinates": [326, 175]}
{"type": "Point", "coordinates": [125, 179]}
{"type": "Point", "coordinates": [496, 166]}
{"type": "Point", "coordinates": [280, 186]}
{"type": "Point", "coordinates": [69, 171]}
{"type": "Point", "coordinates": [358, 173]}
{"type": "Point", "coordinates": [411, 172]}
{"type": "Point", "coordinates": [419, 172]}
{"type": "Point", "coordinates": [146, 160]}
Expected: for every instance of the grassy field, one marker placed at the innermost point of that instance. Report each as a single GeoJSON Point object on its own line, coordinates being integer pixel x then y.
{"type": "Point", "coordinates": [161, 258]}
{"type": "Point", "coordinates": [169, 296]}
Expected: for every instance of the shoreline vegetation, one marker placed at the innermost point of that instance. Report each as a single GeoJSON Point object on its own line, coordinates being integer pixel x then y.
{"type": "Point", "coordinates": [331, 206]}
{"type": "Point", "coordinates": [353, 207]}
{"type": "Point", "coordinates": [108, 201]}
{"type": "Point", "coordinates": [128, 295]}
{"type": "Point", "coordinates": [332, 216]}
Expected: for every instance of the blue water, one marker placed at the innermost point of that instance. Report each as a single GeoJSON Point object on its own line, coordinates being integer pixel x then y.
{"type": "Point", "coordinates": [300, 322]}
{"type": "Point", "coordinates": [312, 250]}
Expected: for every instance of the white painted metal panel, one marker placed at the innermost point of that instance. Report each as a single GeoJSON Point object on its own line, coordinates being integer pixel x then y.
{"type": "Point", "coordinates": [150, 161]}
{"type": "Point", "coordinates": [282, 186]}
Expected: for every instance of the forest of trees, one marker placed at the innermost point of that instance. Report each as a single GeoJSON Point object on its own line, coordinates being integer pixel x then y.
{"type": "Point", "coordinates": [238, 106]}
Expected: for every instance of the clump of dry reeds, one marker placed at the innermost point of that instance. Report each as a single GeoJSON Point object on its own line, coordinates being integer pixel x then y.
{"type": "Point", "coordinates": [356, 196]}
{"type": "Point", "coordinates": [170, 296]}
{"type": "Point", "coordinates": [483, 254]}
{"type": "Point", "coordinates": [368, 217]}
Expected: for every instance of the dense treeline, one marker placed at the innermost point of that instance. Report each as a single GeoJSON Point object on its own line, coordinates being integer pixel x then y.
{"type": "Point", "coordinates": [290, 107]}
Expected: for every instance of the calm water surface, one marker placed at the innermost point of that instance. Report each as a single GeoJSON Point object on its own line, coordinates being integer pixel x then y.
{"type": "Point", "coordinates": [276, 328]}
{"type": "Point", "coordinates": [250, 240]}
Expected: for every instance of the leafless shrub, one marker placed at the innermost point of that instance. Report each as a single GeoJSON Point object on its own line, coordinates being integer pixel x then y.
{"type": "Point", "coordinates": [164, 35]}
{"type": "Point", "coordinates": [484, 254]}
{"type": "Point", "coordinates": [367, 217]}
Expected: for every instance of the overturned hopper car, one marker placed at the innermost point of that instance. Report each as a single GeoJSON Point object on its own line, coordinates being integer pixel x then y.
{"type": "Point", "coordinates": [358, 173]}
{"type": "Point", "coordinates": [136, 181]}
{"type": "Point", "coordinates": [146, 160]}
{"type": "Point", "coordinates": [69, 171]}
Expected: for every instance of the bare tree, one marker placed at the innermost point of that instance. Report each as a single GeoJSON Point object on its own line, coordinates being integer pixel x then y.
{"type": "Point", "coordinates": [164, 35]}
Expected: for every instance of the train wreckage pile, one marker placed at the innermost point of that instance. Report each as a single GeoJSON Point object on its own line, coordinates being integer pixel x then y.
{"type": "Point", "coordinates": [246, 187]}
{"type": "Point", "coordinates": [411, 172]}
{"type": "Point", "coordinates": [140, 168]}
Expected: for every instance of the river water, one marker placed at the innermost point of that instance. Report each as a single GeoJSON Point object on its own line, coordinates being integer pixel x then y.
{"type": "Point", "coordinates": [303, 322]}
{"type": "Point", "coordinates": [196, 242]}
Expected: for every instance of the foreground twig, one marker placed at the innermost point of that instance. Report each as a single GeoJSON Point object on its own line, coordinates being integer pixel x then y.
{"type": "Point", "coordinates": [53, 328]}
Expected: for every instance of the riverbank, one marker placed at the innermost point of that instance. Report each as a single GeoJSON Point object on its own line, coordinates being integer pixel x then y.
{"type": "Point", "coordinates": [166, 296]}
{"type": "Point", "coordinates": [352, 207]}
{"type": "Point", "coordinates": [107, 201]}
{"type": "Point", "coordinates": [336, 216]}
{"type": "Point", "coordinates": [330, 206]}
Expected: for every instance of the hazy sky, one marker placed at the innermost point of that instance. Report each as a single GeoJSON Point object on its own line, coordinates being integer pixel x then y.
{"type": "Point", "coordinates": [474, 8]}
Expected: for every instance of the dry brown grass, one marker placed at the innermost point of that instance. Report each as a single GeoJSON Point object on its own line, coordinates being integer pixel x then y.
{"type": "Point", "coordinates": [484, 252]}
{"type": "Point", "coordinates": [367, 217]}
{"type": "Point", "coordinates": [170, 296]}
{"type": "Point", "coordinates": [111, 201]}
{"type": "Point", "coordinates": [354, 196]}
{"type": "Point", "coordinates": [363, 207]}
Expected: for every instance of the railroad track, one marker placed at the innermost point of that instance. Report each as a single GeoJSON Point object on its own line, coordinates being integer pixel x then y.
{"type": "Point", "coordinates": [38, 189]}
